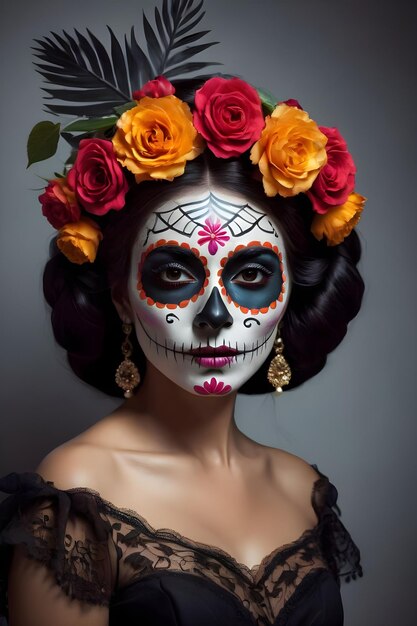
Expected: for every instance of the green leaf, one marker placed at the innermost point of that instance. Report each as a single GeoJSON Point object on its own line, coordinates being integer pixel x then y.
{"type": "Point", "coordinates": [269, 102]}
{"type": "Point", "coordinates": [125, 107]}
{"type": "Point", "coordinates": [42, 142]}
{"type": "Point", "coordinates": [95, 123]}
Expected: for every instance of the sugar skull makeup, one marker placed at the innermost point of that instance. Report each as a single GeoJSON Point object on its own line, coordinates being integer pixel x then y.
{"type": "Point", "coordinates": [208, 285]}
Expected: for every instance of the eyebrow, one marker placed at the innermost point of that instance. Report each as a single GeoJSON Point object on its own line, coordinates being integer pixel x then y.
{"type": "Point", "coordinates": [173, 249]}
{"type": "Point", "coordinates": [252, 251]}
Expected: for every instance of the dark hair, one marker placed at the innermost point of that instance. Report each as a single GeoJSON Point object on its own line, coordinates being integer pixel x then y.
{"type": "Point", "coordinates": [326, 288]}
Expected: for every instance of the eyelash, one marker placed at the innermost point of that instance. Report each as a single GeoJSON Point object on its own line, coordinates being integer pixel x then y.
{"type": "Point", "coordinates": [168, 284]}
{"type": "Point", "coordinates": [254, 266]}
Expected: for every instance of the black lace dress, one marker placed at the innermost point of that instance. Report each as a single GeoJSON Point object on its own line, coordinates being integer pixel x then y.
{"type": "Point", "coordinates": [103, 554]}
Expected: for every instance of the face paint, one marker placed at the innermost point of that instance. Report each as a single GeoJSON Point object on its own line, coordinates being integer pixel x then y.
{"type": "Point", "coordinates": [207, 298]}
{"type": "Point", "coordinates": [171, 274]}
{"type": "Point", "coordinates": [246, 277]}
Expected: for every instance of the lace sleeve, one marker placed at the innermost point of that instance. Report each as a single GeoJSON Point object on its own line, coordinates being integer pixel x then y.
{"type": "Point", "coordinates": [60, 529]}
{"type": "Point", "coordinates": [341, 553]}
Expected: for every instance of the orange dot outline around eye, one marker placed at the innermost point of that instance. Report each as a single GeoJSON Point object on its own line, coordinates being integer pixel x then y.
{"type": "Point", "coordinates": [168, 305]}
{"type": "Point", "coordinates": [244, 309]}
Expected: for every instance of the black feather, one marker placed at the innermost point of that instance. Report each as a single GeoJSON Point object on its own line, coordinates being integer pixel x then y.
{"type": "Point", "coordinates": [154, 47]}
{"type": "Point", "coordinates": [82, 95]}
{"type": "Point", "coordinates": [104, 58]}
{"type": "Point", "coordinates": [62, 41]}
{"type": "Point", "coordinates": [106, 80]}
{"type": "Point", "coordinates": [84, 110]}
{"type": "Point", "coordinates": [174, 34]}
{"type": "Point", "coordinates": [74, 140]}
{"type": "Point", "coordinates": [167, 20]}
{"type": "Point", "coordinates": [187, 68]}
{"type": "Point", "coordinates": [189, 39]}
{"type": "Point", "coordinates": [67, 81]}
{"type": "Point", "coordinates": [89, 52]}
{"type": "Point", "coordinates": [192, 13]}
{"type": "Point", "coordinates": [160, 27]}
{"type": "Point", "coordinates": [143, 65]}
{"type": "Point", "coordinates": [75, 50]}
{"type": "Point", "coordinates": [187, 29]}
{"type": "Point", "coordinates": [175, 7]}
{"type": "Point", "coordinates": [119, 64]}
{"type": "Point", "coordinates": [188, 52]}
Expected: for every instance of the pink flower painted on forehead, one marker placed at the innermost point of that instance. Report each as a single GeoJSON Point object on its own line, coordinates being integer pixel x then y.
{"type": "Point", "coordinates": [212, 387]}
{"type": "Point", "coordinates": [212, 234]}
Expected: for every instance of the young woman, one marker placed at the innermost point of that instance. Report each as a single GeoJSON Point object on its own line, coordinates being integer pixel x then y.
{"type": "Point", "coordinates": [192, 274]}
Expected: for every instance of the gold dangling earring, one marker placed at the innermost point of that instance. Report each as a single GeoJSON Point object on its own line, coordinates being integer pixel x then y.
{"type": "Point", "coordinates": [127, 374]}
{"type": "Point", "coordinates": [279, 372]}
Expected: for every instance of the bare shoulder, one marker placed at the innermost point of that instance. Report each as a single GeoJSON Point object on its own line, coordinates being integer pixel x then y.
{"type": "Point", "coordinates": [85, 459]}
{"type": "Point", "coordinates": [72, 464]}
{"type": "Point", "coordinates": [295, 476]}
{"type": "Point", "coordinates": [292, 468]}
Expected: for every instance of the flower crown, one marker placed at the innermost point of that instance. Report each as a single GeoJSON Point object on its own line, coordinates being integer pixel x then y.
{"type": "Point", "coordinates": [155, 133]}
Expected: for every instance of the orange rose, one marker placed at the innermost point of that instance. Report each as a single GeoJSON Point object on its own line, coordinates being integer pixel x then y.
{"type": "Point", "coordinates": [290, 152]}
{"type": "Point", "coordinates": [78, 241]}
{"type": "Point", "coordinates": [155, 138]}
{"type": "Point", "coordinates": [339, 221]}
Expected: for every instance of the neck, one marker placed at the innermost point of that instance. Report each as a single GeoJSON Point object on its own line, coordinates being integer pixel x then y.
{"type": "Point", "coordinates": [178, 422]}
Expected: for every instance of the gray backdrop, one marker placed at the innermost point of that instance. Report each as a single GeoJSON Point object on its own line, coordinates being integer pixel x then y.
{"type": "Point", "coordinates": [351, 64]}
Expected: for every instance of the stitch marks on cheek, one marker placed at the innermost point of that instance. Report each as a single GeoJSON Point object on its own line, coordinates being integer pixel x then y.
{"type": "Point", "coordinates": [271, 305]}
{"type": "Point", "coordinates": [167, 305]}
{"type": "Point", "coordinates": [212, 387]}
{"type": "Point", "coordinates": [198, 353]}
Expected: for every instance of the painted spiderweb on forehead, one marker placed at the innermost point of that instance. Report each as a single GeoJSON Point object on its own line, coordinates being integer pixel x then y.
{"type": "Point", "coordinates": [184, 219]}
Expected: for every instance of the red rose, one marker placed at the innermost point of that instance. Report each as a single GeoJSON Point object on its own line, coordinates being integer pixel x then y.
{"type": "Point", "coordinates": [336, 180]}
{"type": "Point", "coordinates": [59, 204]}
{"type": "Point", "coordinates": [228, 115]}
{"type": "Point", "coordinates": [97, 177]}
{"type": "Point", "coordinates": [292, 103]}
{"type": "Point", "coordinates": [156, 88]}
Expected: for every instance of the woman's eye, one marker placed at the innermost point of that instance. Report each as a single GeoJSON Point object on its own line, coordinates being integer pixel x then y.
{"type": "Point", "coordinates": [251, 276]}
{"type": "Point", "coordinates": [173, 276]}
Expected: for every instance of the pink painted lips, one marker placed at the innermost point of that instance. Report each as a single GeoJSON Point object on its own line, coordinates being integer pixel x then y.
{"type": "Point", "coordinates": [208, 356]}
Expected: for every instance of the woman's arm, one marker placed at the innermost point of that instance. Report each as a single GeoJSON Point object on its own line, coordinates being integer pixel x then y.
{"type": "Point", "coordinates": [34, 596]}
{"type": "Point", "coordinates": [35, 599]}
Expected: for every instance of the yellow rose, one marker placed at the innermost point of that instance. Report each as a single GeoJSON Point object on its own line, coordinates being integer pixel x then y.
{"type": "Point", "coordinates": [339, 221]}
{"type": "Point", "coordinates": [78, 241]}
{"type": "Point", "coordinates": [290, 152]}
{"type": "Point", "coordinates": [155, 138]}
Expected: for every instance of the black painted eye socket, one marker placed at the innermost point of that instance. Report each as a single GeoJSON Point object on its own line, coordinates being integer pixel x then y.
{"type": "Point", "coordinates": [253, 278]}
{"type": "Point", "coordinates": [171, 274]}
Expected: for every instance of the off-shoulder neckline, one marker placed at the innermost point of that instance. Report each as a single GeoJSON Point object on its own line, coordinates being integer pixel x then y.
{"type": "Point", "coordinates": [253, 573]}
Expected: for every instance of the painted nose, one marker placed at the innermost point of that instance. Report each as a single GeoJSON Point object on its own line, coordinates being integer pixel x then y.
{"type": "Point", "coordinates": [214, 314]}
